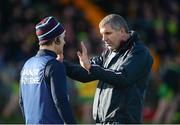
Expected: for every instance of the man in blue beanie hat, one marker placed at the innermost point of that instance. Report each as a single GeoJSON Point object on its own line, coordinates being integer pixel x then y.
{"type": "Point", "coordinates": [43, 90]}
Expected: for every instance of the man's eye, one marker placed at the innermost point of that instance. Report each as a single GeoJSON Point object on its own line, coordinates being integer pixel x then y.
{"type": "Point", "coordinates": [107, 33]}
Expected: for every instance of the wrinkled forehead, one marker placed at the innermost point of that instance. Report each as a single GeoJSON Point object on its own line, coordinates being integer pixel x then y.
{"type": "Point", "coordinates": [105, 28]}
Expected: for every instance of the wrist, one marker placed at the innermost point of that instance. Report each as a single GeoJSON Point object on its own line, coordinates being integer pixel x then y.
{"type": "Point", "coordinates": [88, 68]}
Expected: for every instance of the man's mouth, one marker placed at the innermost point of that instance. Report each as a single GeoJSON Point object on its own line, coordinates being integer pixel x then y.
{"type": "Point", "coordinates": [108, 45]}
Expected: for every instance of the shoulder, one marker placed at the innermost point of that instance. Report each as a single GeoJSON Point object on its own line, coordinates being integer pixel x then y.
{"type": "Point", "coordinates": [55, 64]}
{"type": "Point", "coordinates": [29, 60]}
{"type": "Point", "coordinates": [142, 51]}
{"type": "Point", "coordinates": [139, 46]}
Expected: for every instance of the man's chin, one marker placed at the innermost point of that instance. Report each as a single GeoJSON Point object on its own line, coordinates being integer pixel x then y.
{"type": "Point", "coordinates": [109, 47]}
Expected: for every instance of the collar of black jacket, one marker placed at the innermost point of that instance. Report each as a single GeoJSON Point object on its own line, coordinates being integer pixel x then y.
{"type": "Point", "coordinates": [133, 37]}
{"type": "Point", "coordinates": [46, 52]}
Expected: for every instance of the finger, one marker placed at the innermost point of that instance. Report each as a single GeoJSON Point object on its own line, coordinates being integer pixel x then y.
{"type": "Point", "coordinates": [79, 54]}
{"type": "Point", "coordinates": [84, 50]}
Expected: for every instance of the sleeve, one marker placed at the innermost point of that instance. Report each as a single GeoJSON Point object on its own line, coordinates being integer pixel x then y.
{"type": "Point", "coordinates": [21, 103]}
{"type": "Point", "coordinates": [130, 71]}
{"type": "Point", "coordinates": [58, 85]}
{"type": "Point", "coordinates": [76, 72]}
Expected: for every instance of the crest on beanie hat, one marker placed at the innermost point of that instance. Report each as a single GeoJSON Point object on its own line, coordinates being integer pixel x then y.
{"type": "Point", "coordinates": [48, 29]}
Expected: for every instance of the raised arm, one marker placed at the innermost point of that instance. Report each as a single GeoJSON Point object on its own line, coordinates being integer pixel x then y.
{"type": "Point", "coordinates": [136, 64]}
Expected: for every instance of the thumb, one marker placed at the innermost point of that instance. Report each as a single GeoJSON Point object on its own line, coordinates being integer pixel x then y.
{"type": "Point", "coordinates": [79, 54]}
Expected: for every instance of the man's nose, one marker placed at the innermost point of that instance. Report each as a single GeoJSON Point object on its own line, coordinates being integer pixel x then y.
{"type": "Point", "coordinates": [104, 38]}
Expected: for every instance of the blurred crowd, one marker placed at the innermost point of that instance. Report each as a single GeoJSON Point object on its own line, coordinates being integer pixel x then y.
{"type": "Point", "coordinates": [156, 21]}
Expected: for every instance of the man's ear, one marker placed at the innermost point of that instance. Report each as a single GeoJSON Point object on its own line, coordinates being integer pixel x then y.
{"type": "Point", "coordinates": [122, 30]}
{"type": "Point", "coordinates": [57, 41]}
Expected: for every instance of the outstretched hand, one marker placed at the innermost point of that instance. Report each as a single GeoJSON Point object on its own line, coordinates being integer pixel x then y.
{"type": "Point", "coordinates": [83, 58]}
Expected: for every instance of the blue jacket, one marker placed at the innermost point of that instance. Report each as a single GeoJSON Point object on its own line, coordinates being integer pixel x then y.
{"type": "Point", "coordinates": [123, 78]}
{"type": "Point", "coordinates": [43, 91]}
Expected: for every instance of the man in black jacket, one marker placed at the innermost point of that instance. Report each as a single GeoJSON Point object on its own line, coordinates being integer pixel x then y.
{"type": "Point", "coordinates": [122, 70]}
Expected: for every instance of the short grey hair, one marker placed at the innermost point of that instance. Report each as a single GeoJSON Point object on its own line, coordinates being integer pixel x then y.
{"type": "Point", "coordinates": [115, 21]}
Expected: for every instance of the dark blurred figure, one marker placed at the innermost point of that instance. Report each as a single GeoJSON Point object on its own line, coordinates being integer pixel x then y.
{"type": "Point", "coordinates": [169, 92]}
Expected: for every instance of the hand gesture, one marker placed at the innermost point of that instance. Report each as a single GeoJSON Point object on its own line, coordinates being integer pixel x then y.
{"type": "Point", "coordinates": [83, 58]}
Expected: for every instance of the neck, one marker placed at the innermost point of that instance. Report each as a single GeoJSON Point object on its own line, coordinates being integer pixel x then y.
{"type": "Point", "coordinates": [47, 48]}
{"type": "Point", "coordinates": [123, 41]}
{"type": "Point", "coordinates": [128, 35]}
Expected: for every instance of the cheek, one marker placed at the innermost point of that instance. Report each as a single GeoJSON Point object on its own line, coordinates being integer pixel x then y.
{"type": "Point", "coordinates": [115, 39]}
{"type": "Point", "coordinates": [61, 47]}
{"type": "Point", "coordinates": [58, 47]}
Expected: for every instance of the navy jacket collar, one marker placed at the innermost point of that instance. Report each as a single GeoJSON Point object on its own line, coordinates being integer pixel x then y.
{"type": "Point", "coordinates": [134, 37]}
{"type": "Point", "coordinates": [42, 52]}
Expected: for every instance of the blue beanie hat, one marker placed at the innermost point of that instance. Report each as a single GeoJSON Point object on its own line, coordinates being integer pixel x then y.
{"type": "Point", "coordinates": [48, 29]}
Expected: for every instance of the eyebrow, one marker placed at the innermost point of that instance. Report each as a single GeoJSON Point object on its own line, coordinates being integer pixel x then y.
{"type": "Point", "coordinates": [107, 32]}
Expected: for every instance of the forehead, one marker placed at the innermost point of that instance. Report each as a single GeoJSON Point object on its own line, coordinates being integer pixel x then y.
{"type": "Point", "coordinates": [106, 28]}
{"type": "Point", "coordinates": [63, 34]}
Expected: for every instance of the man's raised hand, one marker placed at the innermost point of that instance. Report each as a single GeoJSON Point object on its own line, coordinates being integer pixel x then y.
{"type": "Point", "coordinates": [83, 58]}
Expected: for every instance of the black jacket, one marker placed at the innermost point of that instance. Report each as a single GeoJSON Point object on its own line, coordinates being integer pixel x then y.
{"type": "Point", "coordinates": [123, 80]}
